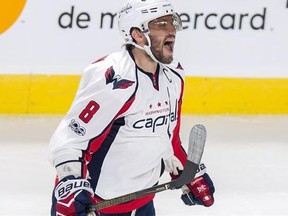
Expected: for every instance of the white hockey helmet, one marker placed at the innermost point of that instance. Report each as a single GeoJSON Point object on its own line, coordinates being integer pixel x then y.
{"type": "Point", "coordinates": [138, 13]}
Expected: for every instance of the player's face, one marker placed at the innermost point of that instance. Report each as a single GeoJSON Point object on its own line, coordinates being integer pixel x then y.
{"type": "Point", "coordinates": [162, 35]}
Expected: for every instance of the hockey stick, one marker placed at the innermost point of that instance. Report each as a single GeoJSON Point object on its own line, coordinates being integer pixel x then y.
{"type": "Point", "coordinates": [197, 141]}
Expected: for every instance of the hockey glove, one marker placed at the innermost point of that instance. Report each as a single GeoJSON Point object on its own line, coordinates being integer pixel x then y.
{"type": "Point", "coordinates": [71, 197]}
{"type": "Point", "coordinates": [200, 191]}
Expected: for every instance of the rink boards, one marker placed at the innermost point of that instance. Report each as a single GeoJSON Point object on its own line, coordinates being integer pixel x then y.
{"type": "Point", "coordinates": [53, 94]}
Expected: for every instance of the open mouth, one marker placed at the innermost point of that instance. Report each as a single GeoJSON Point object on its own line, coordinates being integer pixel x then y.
{"type": "Point", "coordinates": [169, 45]}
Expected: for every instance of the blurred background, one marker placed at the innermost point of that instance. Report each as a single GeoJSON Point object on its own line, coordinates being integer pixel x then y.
{"type": "Point", "coordinates": [235, 57]}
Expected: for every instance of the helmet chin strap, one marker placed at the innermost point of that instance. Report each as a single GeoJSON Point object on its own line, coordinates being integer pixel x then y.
{"type": "Point", "coordinates": [146, 48]}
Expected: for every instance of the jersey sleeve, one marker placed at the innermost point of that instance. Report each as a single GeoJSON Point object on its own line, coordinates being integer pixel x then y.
{"type": "Point", "coordinates": [102, 96]}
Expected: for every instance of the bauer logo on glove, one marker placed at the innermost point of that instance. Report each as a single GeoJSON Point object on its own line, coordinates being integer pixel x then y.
{"type": "Point", "coordinates": [66, 188]}
{"type": "Point", "coordinates": [72, 196]}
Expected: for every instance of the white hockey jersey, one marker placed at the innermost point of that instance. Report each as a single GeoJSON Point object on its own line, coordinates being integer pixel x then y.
{"type": "Point", "coordinates": [122, 124]}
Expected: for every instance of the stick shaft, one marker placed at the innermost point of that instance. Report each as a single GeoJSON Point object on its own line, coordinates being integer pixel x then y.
{"type": "Point", "coordinates": [197, 141]}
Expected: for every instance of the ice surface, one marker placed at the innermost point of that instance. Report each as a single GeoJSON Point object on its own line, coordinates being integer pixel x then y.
{"type": "Point", "coordinates": [246, 157]}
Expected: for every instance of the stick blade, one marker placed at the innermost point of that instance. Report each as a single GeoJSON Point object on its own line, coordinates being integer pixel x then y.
{"type": "Point", "coordinates": [197, 141]}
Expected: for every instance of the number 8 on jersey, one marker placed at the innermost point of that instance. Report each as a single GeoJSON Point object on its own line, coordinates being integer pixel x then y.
{"type": "Point", "coordinates": [87, 114]}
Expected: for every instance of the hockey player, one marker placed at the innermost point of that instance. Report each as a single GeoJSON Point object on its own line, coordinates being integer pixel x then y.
{"type": "Point", "coordinates": [122, 130]}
